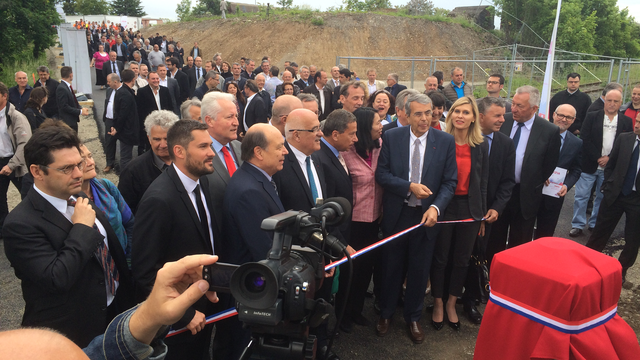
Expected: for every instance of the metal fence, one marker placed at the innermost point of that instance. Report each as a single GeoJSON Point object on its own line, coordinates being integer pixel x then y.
{"type": "Point", "coordinates": [519, 64]}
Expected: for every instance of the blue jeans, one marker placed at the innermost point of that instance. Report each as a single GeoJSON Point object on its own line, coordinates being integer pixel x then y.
{"type": "Point", "coordinates": [583, 192]}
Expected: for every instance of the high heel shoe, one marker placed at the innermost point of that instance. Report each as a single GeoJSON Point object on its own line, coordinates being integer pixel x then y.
{"type": "Point", "coordinates": [437, 325]}
{"type": "Point", "coordinates": [454, 325]}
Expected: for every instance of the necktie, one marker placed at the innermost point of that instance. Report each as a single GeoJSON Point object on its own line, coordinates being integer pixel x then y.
{"type": "Point", "coordinates": [228, 160]}
{"type": "Point", "coordinates": [198, 75]}
{"type": "Point", "coordinates": [343, 163]}
{"type": "Point", "coordinates": [202, 213]}
{"type": "Point", "coordinates": [106, 261]}
{"type": "Point", "coordinates": [415, 172]}
{"type": "Point", "coordinates": [312, 183]}
{"type": "Point", "coordinates": [488, 140]}
{"type": "Point", "coordinates": [275, 187]}
{"type": "Point", "coordinates": [74, 96]}
{"type": "Point", "coordinates": [113, 66]}
{"type": "Point", "coordinates": [516, 137]}
{"type": "Point", "coordinates": [632, 171]}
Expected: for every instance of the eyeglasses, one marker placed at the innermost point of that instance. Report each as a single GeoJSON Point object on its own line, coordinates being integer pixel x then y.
{"type": "Point", "coordinates": [69, 168]}
{"type": "Point", "coordinates": [560, 117]}
{"type": "Point", "coordinates": [312, 130]}
{"type": "Point", "coordinates": [493, 82]}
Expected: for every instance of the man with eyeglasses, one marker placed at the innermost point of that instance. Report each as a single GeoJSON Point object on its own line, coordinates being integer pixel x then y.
{"type": "Point", "coordinates": [574, 97]}
{"type": "Point", "coordinates": [495, 84]}
{"type": "Point", "coordinates": [570, 155]}
{"type": "Point", "coordinates": [73, 269]}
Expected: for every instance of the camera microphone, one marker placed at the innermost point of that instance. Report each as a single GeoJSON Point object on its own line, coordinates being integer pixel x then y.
{"type": "Point", "coordinates": [335, 209]}
{"type": "Point", "coordinates": [330, 241]}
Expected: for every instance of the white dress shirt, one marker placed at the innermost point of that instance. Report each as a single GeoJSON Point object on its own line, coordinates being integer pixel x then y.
{"type": "Point", "coordinates": [156, 95]}
{"type": "Point", "coordinates": [244, 121]}
{"type": "Point", "coordinates": [524, 139]}
{"type": "Point", "coordinates": [163, 82]}
{"type": "Point", "coordinates": [302, 160]}
{"type": "Point", "coordinates": [190, 185]}
{"type": "Point", "coordinates": [321, 94]}
{"type": "Point", "coordinates": [109, 114]}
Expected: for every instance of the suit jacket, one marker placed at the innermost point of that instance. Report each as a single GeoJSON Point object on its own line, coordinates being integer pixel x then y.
{"type": "Point", "coordinates": [174, 90]}
{"type": "Point", "coordinates": [135, 179]}
{"type": "Point", "coordinates": [617, 167]}
{"type": "Point", "coordinates": [255, 112]}
{"type": "Point", "coordinates": [240, 82]}
{"type": "Point", "coordinates": [301, 85]}
{"type": "Point", "coordinates": [106, 103]}
{"type": "Point", "coordinates": [379, 85]}
{"type": "Point", "coordinates": [106, 68]}
{"type": "Point", "coordinates": [168, 228]}
{"type": "Point", "coordinates": [330, 85]}
{"type": "Point", "coordinates": [591, 135]}
{"type": "Point", "coordinates": [199, 52]}
{"type": "Point", "coordinates": [107, 47]}
{"type": "Point", "coordinates": [249, 192]}
{"type": "Point", "coordinates": [51, 107]}
{"type": "Point", "coordinates": [312, 89]}
{"type": "Point", "coordinates": [478, 180]}
{"type": "Point", "coordinates": [335, 97]}
{"type": "Point", "coordinates": [293, 187]}
{"type": "Point", "coordinates": [200, 91]}
{"type": "Point", "coordinates": [125, 116]}
{"type": "Point", "coordinates": [395, 89]}
{"type": "Point", "coordinates": [183, 82]}
{"type": "Point", "coordinates": [540, 159]}
{"type": "Point", "coordinates": [570, 158]}
{"type": "Point", "coordinates": [147, 103]}
{"type": "Point", "coordinates": [246, 75]}
{"type": "Point", "coordinates": [191, 73]}
{"type": "Point", "coordinates": [123, 49]}
{"type": "Point", "coordinates": [338, 183]}
{"type": "Point", "coordinates": [62, 279]}
{"type": "Point", "coordinates": [439, 174]}
{"type": "Point", "coordinates": [219, 180]}
{"type": "Point", "coordinates": [266, 98]}
{"type": "Point", "coordinates": [68, 111]}
{"type": "Point", "coordinates": [389, 126]}
{"type": "Point", "coordinates": [502, 172]}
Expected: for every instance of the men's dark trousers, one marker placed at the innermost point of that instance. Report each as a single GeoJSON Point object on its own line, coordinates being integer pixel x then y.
{"type": "Point", "coordinates": [511, 225]}
{"type": "Point", "coordinates": [126, 153]}
{"type": "Point", "coordinates": [109, 143]}
{"type": "Point", "coordinates": [548, 215]}
{"type": "Point", "coordinates": [4, 187]}
{"type": "Point", "coordinates": [415, 250]}
{"type": "Point", "coordinates": [608, 217]}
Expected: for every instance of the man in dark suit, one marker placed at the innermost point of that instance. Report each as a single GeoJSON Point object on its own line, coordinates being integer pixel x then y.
{"type": "Point", "coordinates": [570, 157]}
{"type": "Point", "coordinates": [255, 111]}
{"type": "Point", "coordinates": [537, 144]}
{"type": "Point", "coordinates": [502, 162]}
{"type": "Point", "coordinates": [188, 66]}
{"type": "Point", "coordinates": [196, 51]}
{"type": "Point", "coordinates": [393, 87]}
{"type": "Point", "coordinates": [304, 80]}
{"type": "Point", "coordinates": [598, 133]}
{"type": "Point", "coordinates": [345, 76]}
{"type": "Point", "coordinates": [56, 246]}
{"type": "Point", "coordinates": [113, 66]}
{"type": "Point", "coordinates": [247, 72]}
{"type": "Point", "coordinates": [147, 103]}
{"type": "Point", "coordinates": [172, 85]}
{"type": "Point", "coordinates": [417, 170]}
{"type": "Point", "coordinates": [400, 113]}
{"type": "Point", "coordinates": [69, 110]}
{"type": "Point", "coordinates": [282, 107]}
{"type": "Point", "coordinates": [194, 74]}
{"type": "Point", "coordinates": [105, 44]}
{"type": "Point", "coordinates": [264, 94]}
{"type": "Point", "coordinates": [50, 109]}
{"type": "Point", "coordinates": [126, 125]}
{"type": "Point", "coordinates": [136, 178]}
{"type": "Point", "coordinates": [621, 195]}
{"type": "Point", "coordinates": [235, 70]}
{"type": "Point", "coordinates": [113, 81]}
{"type": "Point", "coordinates": [173, 221]}
{"type": "Point", "coordinates": [324, 95]}
{"type": "Point", "coordinates": [137, 57]}
{"type": "Point", "coordinates": [211, 81]}
{"type": "Point", "coordinates": [182, 78]}
{"type": "Point", "coordinates": [121, 50]}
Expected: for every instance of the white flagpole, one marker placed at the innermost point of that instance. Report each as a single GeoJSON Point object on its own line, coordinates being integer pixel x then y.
{"type": "Point", "coordinates": [548, 74]}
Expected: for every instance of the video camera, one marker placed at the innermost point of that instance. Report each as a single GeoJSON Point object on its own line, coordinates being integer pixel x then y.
{"type": "Point", "coordinates": [276, 296]}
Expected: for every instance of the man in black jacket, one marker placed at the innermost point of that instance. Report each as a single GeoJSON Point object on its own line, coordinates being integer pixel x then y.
{"type": "Point", "coordinates": [69, 110]}
{"type": "Point", "coordinates": [125, 118]}
{"type": "Point", "coordinates": [147, 103]}
{"type": "Point", "coordinates": [322, 94]}
{"type": "Point", "coordinates": [136, 178]}
{"type": "Point", "coordinates": [182, 78]}
{"type": "Point", "coordinates": [574, 97]}
{"type": "Point", "coordinates": [50, 109]}
{"type": "Point", "coordinates": [113, 66]}
{"type": "Point", "coordinates": [255, 112]}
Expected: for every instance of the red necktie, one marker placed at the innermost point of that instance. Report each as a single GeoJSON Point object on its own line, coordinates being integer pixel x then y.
{"type": "Point", "coordinates": [231, 165]}
{"type": "Point", "coordinates": [74, 96]}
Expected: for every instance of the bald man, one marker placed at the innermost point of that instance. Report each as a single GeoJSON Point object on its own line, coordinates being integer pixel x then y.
{"type": "Point", "coordinates": [19, 94]}
{"type": "Point", "coordinates": [284, 105]}
{"type": "Point", "coordinates": [570, 157]}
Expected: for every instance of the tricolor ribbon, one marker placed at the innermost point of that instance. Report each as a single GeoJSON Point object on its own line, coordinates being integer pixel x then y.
{"type": "Point", "coordinates": [554, 322]}
{"type": "Point", "coordinates": [232, 311]}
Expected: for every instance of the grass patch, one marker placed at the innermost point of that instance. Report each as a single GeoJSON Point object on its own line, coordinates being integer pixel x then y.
{"type": "Point", "coordinates": [28, 64]}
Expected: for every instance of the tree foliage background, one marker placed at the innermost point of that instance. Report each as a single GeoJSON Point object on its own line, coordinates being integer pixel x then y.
{"type": "Point", "coordinates": [589, 26]}
{"type": "Point", "coordinates": [127, 8]}
{"type": "Point", "coordinates": [207, 7]}
{"type": "Point", "coordinates": [26, 28]}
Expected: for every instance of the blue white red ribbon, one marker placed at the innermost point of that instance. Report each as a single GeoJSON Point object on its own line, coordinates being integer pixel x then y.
{"type": "Point", "coordinates": [564, 326]}
{"type": "Point", "coordinates": [232, 311]}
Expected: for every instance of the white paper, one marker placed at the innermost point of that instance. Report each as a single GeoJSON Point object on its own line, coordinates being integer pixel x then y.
{"type": "Point", "coordinates": [556, 180]}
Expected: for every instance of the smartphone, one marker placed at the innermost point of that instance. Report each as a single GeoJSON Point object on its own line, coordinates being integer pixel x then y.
{"type": "Point", "coordinates": [218, 276]}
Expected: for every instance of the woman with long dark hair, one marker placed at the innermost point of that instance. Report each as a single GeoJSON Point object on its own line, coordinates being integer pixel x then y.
{"type": "Point", "coordinates": [362, 161]}
{"type": "Point", "coordinates": [232, 88]}
{"type": "Point", "coordinates": [384, 103]}
{"type": "Point", "coordinates": [33, 107]}
{"type": "Point", "coordinates": [99, 58]}
{"type": "Point", "coordinates": [469, 201]}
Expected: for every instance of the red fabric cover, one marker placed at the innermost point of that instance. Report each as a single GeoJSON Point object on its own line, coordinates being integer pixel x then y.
{"type": "Point", "coordinates": [567, 281]}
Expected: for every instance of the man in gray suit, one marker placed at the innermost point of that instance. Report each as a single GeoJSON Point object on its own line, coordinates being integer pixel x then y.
{"type": "Point", "coordinates": [220, 114]}
{"type": "Point", "coordinates": [172, 85]}
{"type": "Point", "coordinates": [69, 110]}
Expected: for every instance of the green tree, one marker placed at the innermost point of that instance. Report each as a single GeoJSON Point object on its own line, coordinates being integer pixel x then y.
{"type": "Point", "coordinates": [207, 7]}
{"type": "Point", "coordinates": [93, 7]}
{"type": "Point", "coordinates": [285, 4]}
{"type": "Point", "coordinates": [420, 7]}
{"type": "Point", "coordinates": [183, 10]}
{"type": "Point", "coordinates": [68, 6]}
{"type": "Point", "coordinates": [367, 5]}
{"type": "Point", "coordinates": [26, 25]}
{"type": "Point", "coordinates": [127, 8]}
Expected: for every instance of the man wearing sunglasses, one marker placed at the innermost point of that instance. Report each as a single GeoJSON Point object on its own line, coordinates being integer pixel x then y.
{"type": "Point", "coordinates": [73, 269]}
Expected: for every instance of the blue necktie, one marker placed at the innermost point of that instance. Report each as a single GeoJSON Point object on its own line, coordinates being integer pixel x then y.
{"type": "Point", "coordinates": [516, 137]}
{"type": "Point", "coordinates": [632, 171]}
{"type": "Point", "coordinates": [312, 183]}
{"type": "Point", "coordinates": [489, 140]}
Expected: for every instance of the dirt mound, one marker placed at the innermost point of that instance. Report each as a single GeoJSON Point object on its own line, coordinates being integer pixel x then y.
{"type": "Point", "coordinates": [370, 35]}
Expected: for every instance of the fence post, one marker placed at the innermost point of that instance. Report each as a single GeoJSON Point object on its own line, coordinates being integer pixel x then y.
{"type": "Point", "coordinates": [532, 67]}
{"type": "Point", "coordinates": [620, 71]}
{"type": "Point", "coordinates": [430, 66]}
{"type": "Point", "coordinates": [611, 70]}
{"type": "Point", "coordinates": [412, 70]}
{"type": "Point", "coordinates": [513, 65]}
{"type": "Point", "coordinates": [349, 63]}
{"type": "Point", "coordinates": [473, 71]}
{"type": "Point", "coordinates": [337, 60]}
{"type": "Point", "coordinates": [435, 63]}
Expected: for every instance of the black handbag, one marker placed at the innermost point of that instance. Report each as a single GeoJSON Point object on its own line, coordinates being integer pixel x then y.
{"type": "Point", "coordinates": [481, 271]}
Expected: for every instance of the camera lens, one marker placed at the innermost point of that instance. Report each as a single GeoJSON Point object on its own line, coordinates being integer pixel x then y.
{"type": "Point", "coordinates": [255, 282]}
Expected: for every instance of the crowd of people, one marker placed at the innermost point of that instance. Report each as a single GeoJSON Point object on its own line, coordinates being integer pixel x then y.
{"type": "Point", "coordinates": [221, 145]}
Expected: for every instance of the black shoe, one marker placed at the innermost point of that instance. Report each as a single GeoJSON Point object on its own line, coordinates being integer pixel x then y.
{"type": "Point", "coordinates": [437, 325]}
{"type": "Point", "coordinates": [575, 232]}
{"type": "Point", "coordinates": [361, 320]}
{"type": "Point", "coordinates": [346, 326]}
{"type": "Point", "coordinates": [473, 314]}
{"type": "Point", "coordinates": [454, 325]}
{"type": "Point", "coordinates": [627, 285]}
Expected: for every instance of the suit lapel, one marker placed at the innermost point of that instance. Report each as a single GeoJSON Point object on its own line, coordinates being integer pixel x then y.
{"type": "Point", "coordinates": [204, 185]}
{"type": "Point", "coordinates": [296, 168]}
{"type": "Point", "coordinates": [534, 135]}
{"type": "Point", "coordinates": [429, 151]}
{"type": "Point", "coordinates": [266, 185]}
{"type": "Point", "coordinates": [49, 212]}
{"type": "Point", "coordinates": [219, 169]}
{"type": "Point", "coordinates": [186, 200]}
{"type": "Point", "coordinates": [404, 152]}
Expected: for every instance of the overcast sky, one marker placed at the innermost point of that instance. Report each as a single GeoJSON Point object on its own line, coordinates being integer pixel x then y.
{"type": "Point", "coordinates": [166, 8]}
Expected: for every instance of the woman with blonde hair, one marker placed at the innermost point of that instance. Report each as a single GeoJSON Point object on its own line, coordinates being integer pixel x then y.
{"type": "Point", "coordinates": [469, 202]}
